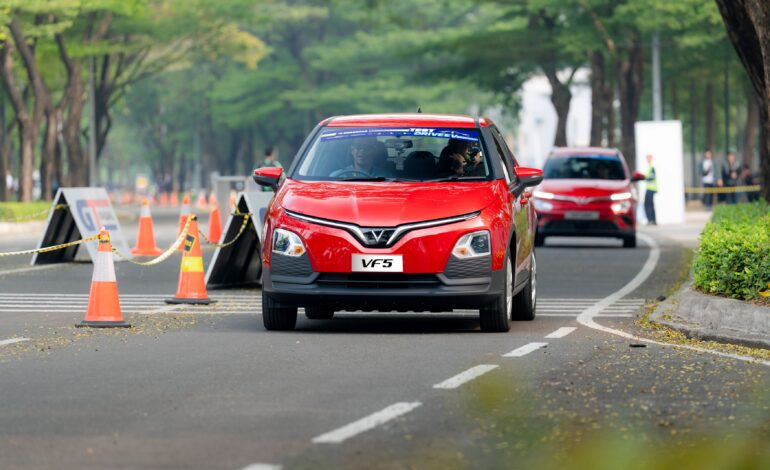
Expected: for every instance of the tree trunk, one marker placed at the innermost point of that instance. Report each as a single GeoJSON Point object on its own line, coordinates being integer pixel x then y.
{"type": "Point", "coordinates": [748, 27]}
{"type": "Point", "coordinates": [752, 122]}
{"type": "Point", "coordinates": [610, 113]}
{"type": "Point", "coordinates": [598, 97]}
{"type": "Point", "coordinates": [5, 149]}
{"type": "Point", "coordinates": [708, 115]}
{"type": "Point", "coordinates": [48, 157]}
{"type": "Point", "coordinates": [27, 139]}
{"type": "Point", "coordinates": [561, 97]}
{"type": "Point", "coordinates": [75, 101]}
{"type": "Point", "coordinates": [630, 70]}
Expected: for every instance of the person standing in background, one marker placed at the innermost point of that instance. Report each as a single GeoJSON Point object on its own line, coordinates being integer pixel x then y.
{"type": "Point", "coordinates": [730, 176]}
{"type": "Point", "coordinates": [269, 161]}
{"type": "Point", "coordinates": [748, 179]}
{"type": "Point", "coordinates": [652, 189]}
{"type": "Point", "coordinates": [707, 177]}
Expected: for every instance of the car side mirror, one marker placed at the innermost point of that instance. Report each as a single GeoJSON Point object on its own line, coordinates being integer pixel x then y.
{"type": "Point", "coordinates": [529, 177]}
{"type": "Point", "coordinates": [637, 176]}
{"type": "Point", "coordinates": [268, 176]}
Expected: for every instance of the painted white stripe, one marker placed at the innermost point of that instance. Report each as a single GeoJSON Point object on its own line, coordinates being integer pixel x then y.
{"type": "Point", "coordinates": [561, 332]}
{"type": "Point", "coordinates": [587, 317]}
{"type": "Point", "coordinates": [6, 342]}
{"type": "Point", "coordinates": [467, 376]}
{"type": "Point", "coordinates": [31, 269]}
{"type": "Point", "coordinates": [367, 423]}
{"type": "Point", "coordinates": [574, 315]}
{"type": "Point", "coordinates": [262, 466]}
{"type": "Point", "coordinates": [526, 349]}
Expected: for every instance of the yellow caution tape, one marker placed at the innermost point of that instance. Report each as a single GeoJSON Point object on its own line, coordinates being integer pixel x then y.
{"type": "Point", "coordinates": [166, 254]}
{"type": "Point", "coordinates": [51, 248]}
{"type": "Point", "coordinates": [36, 215]}
{"type": "Point", "coordinates": [723, 189]}
{"type": "Point", "coordinates": [245, 222]}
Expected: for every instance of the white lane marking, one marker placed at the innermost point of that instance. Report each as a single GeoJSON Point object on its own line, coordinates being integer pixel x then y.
{"type": "Point", "coordinates": [574, 315]}
{"type": "Point", "coordinates": [367, 423]}
{"type": "Point", "coordinates": [32, 269]}
{"type": "Point", "coordinates": [6, 342]}
{"type": "Point", "coordinates": [586, 318]}
{"type": "Point", "coordinates": [262, 466]}
{"type": "Point", "coordinates": [467, 376]}
{"type": "Point", "coordinates": [561, 332]}
{"type": "Point", "coordinates": [526, 349]}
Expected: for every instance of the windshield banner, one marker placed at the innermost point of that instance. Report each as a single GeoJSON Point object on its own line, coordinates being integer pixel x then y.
{"type": "Point", "coordinates": [470, 136]}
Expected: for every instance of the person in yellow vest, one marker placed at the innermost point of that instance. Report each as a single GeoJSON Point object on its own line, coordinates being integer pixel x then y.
{"type": "Point", "coordinates": [652, 188]}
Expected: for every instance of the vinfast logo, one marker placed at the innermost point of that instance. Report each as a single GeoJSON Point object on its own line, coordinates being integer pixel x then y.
{"type": "Point", "coordinates": [377, 237]}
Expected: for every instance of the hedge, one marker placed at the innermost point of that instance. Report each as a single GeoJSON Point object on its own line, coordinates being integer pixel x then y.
{"type": "Point", "coordinates": [23, 211]}
{"type": "Point", "coordinates": [734, 255]}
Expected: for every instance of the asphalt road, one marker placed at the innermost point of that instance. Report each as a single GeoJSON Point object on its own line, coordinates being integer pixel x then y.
{"type": "Point", "coordinates": [209, 388]}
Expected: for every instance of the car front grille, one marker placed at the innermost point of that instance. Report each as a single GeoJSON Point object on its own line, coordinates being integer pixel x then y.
{"type": "Point", "coordinates": [378, 280]}
{"type": "Point", "coordinates": [577, 226]}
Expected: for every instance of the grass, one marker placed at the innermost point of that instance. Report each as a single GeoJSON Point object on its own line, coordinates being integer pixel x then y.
{"type": "Point", "coordinates": [24, 211]}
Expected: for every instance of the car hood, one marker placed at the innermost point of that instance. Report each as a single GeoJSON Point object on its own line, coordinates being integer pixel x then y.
{"type": "Point", "coordinates": [385, 204]}
{"type": "Point", "coordinates": [584, 187]}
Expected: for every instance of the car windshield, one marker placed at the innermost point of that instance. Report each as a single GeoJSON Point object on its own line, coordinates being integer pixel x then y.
{"type": "Point", "coordinates": [597, 167]}
{"type": "Point", "coordinates": [394, 154]}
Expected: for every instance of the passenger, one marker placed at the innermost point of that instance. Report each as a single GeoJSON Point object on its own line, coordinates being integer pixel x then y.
{"type": "Point", "coordinates": [365, 154]}
{"type": "Point", "coordinates": [602, 171]}
{"type": "Point", "coordinates": [452, 160]}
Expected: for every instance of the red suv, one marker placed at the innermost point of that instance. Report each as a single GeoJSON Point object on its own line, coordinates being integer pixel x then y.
{"type": "Point", "coordinates": [587, 192]}
{"type": "Point", "coordinates": [405, 212]}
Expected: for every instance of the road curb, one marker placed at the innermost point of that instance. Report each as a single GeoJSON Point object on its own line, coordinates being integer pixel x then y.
{"type": "Point", "coordinates": [712, 318]}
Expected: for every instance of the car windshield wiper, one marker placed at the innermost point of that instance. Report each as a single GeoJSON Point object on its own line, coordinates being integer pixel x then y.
{"type": "Point", "coordinates": [455, 178]}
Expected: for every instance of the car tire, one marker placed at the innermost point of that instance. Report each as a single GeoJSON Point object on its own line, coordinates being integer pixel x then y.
{"type": "Point", "coordinates": [496, 317]}
{"type": "Point", "coordinates": [629, 242]}
{"type": "Point", "coordinates": [525, 302]}
{"type": "Point", "coordinates": [539, 240]}
{"type": "Point", "coordinates": [319, 313]}
{"type": "Point", "coordinates": [277, 316]}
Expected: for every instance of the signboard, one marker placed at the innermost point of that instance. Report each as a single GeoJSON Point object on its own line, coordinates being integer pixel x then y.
{"type": "Point", "coordinates": [85, 212]}
{"type": "Point", "coordinates": [662, 140]}
{"type": "Point", "coordinates": [241, 262]}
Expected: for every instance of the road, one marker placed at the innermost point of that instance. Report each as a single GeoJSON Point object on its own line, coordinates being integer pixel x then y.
{"type": "Point", "coordinates": [209, 388]}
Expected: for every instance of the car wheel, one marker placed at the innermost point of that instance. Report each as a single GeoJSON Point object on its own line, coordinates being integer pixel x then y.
{"type": "Point", "coordinates": [319, 313]}
{"type": "Point", "coordinates": [539, 239]}
{"type": "Point", "coordinates": [496, 317]}
{"type": "Point", "coordinates": [629, 242]}
{"type": "Point", "coordinates": [525, 302]}
{"type": "Point", "coordinates": [277, 316]}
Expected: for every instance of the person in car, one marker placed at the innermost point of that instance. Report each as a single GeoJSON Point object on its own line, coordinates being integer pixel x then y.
{"type": "Point", "coordinates": [365, 155]}
{"type": "Point", "coordinates": [455, 160]}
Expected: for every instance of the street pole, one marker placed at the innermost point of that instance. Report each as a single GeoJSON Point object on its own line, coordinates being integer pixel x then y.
{"type": "Point", "coordinates": [657, 106]}
{"type": "Point", "coordinates": [93, 175]}
{"type": "Point", "coordinates": [727, 106]}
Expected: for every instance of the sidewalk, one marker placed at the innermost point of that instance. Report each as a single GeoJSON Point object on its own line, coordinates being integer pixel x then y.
{"type": "Point", "coordinates": [702, 316]}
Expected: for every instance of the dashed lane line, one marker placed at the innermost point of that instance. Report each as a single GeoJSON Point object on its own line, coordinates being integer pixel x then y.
{"type": "Point", "coordinates": [561, 332]}
{"type": "Point", "coordinates": [467, 376]}
{"type": "Point", "coordinates": [526, 349]}
{"type": "Point", "coordinates": [367, 423]}
{"type": "Point", "coordinates": [6, 342]}
{"type": "Point", "coordinates": [262, 466]}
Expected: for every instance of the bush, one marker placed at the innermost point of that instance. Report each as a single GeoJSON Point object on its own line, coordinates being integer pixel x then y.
{"type": "Point", "coordinates": [24, 211]}
{"type": "Point", "coordinates": [734, 255]}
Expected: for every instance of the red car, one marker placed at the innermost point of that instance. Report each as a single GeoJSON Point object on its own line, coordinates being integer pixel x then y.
{"type": "Point", "coordinates": [406, 212]}
{"type": "Point", "coordinates": [587, 192]}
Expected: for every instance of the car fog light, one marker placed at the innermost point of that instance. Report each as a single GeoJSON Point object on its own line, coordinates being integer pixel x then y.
{"type": "Point", "coordinates": [621, 207]}
{"type": "Point", "coordinates": [543, 206]}
{"type": "Point", "coordinates": [287, 243]}
{"type": "Point", "coordinates": [472, 245]}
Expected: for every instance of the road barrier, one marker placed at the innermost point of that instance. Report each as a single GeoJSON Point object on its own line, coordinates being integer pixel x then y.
{"type": "Point", "coordinates": [145, 237]}
{"type": "Point", "coordinates": [192, 285]}
{"type": "Point", "coordinates": [77, 213]}
{"type": "Point", "coordinates": [103, 309]}
{"type": "Point", "coordinates": [239, 262]}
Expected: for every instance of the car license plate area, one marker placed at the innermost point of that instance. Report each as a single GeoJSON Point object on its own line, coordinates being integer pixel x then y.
{"type": "Point", "coordinates": [581, 215]}
{"type": "Point", "coordinates": [377, 263]}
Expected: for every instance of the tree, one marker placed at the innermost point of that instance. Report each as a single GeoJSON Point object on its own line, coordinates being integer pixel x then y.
{"type": "Point", "coordinates": [748, 27]}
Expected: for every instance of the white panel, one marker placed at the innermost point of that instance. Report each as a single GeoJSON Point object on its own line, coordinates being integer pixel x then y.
{"type": "Point", "coordinates": [662, 139]}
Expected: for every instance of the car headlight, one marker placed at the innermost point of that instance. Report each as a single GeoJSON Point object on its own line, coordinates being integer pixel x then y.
{"type": "Point", "coordinates": [620, 196]}
{"type": "Point", "coordinates": [543, 206]}
{"type": "Point", "coordinates": [621, 207]}
{"type": "Point", "coordinates": [543, 195]}
{"type": "Point", "coordinates": [473, 245]}
{"type": "Point", "coordinates": [287, 243]}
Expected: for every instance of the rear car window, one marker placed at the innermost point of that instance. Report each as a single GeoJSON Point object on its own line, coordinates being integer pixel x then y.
{"type": "Point", "coordinates": [603, 167]}
{"type": "Point", "coordinates": [404, 154]}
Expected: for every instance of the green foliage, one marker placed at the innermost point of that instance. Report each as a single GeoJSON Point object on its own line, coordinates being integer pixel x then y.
{"type": "Point", "coordinates": [23, 211]}
{"type": "Point", "coordinates": [734, 255]}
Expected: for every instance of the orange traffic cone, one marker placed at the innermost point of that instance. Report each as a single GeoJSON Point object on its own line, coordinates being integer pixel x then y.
{"type": "Point", "coordinates": [201, 203]}
{"type": "Point", "coordinates": [192, 285]}
{"type": "Point", "coordinates": [215, 225]}
{"type": "Point", "coordinates": [163, 199]}
{"type": "Point", "coordinates": [173, 199]}
{"type": "Point", "coordinates": [232, 201]}
{"type": "Point", "coordinates": [183, 214]}
{"type": "Point", "coordinates": [145, 238]}
{"type": "Point", "coordinates": [103, 301]}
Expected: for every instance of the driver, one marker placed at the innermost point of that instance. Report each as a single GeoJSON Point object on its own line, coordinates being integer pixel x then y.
{"type": "Point", "coordinates": [364, 153]}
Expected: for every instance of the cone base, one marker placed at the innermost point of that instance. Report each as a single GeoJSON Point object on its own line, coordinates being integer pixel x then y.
{"type": "Point", "coordinates": [146, 252]}
{"type": "Point", "coordinates": [102, 324]}
{"type": "Point", "coordinates": [180, 300]}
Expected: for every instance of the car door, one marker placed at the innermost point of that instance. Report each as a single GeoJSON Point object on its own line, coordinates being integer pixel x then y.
{"type": "Point", "coordinates": [523, 216]}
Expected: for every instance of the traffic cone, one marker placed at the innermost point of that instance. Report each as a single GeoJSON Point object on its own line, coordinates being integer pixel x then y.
{"type": "Point", "coordinates": [163, 199]}
{"type": "Point", "coordinates": [174, 199]}
{"type": "Point", "coordinates": [103, 301]}
{"type": "Point", "coordinates": [215, 225]}
{"type": "Point", "coordinates": [201, 203]}
{"type": "Point", "coordinates": [192, 285]}
{"type": "Point", "coordinates": [232, 201]}
{"type": "Point", "coordinates": [145, 238]}
{"type": "Point", "coordinates": [183, 214]}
